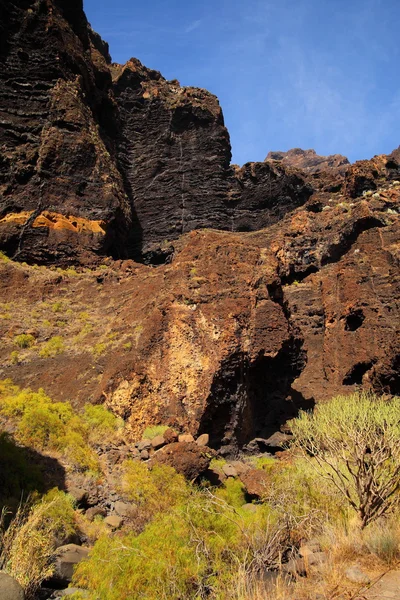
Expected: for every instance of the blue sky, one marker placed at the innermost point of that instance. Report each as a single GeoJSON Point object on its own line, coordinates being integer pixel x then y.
{"type": "Point", "coordinates": [320, 74]}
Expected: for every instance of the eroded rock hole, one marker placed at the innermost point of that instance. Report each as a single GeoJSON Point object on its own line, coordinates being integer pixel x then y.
{"type": "Point", "coordinates": [251, 400]}
{"type": "Point", "coordinates": [356, 373]}
{"type": "Point", "coordinates": [354, 320]}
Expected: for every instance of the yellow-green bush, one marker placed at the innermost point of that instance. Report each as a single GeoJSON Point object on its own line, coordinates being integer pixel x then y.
{"type": "Point", "coordinates": [192, 551]}
{"type": "Point", "coordinates": [24, 340]}
{"type": "Point", "coordinates": [52, 347]}
{"type": "Point", "coordinates": [27, 546]}
{"type": "Point", "coordinates": [153, 431]}
{"type": "Point", "coordinates": [354, 445]}
{"type": "Point", "coordinates": [152, 491]}
{"type": "Point", "coordinates": [46, 425]}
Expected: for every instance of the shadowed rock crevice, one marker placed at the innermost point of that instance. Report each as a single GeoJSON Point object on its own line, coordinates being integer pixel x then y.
{"type": "Point", "coordinates": [356, 374]}
{"type": "Point", "coordinates": [252, 399]}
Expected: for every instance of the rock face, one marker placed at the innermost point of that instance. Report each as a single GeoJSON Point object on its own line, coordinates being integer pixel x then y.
{"type": "Point", "coordinates": [110, 160]}
{"type": "Point", "coordinates": [10, 589]}
{"type": "Point", "coordinates": [292, 297]}
{"type": "Point", "coordinates": [61, 195]}
{"type": "Point", "coordinates": [310, 161]}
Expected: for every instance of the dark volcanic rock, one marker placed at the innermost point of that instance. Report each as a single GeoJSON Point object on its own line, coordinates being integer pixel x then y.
{"type": "Point", "coordinates": [101, 159]}
{"type": "Point", "coordinates": [60, 192]}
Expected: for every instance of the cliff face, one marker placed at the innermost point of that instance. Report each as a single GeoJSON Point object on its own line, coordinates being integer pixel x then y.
{"type": "Point", "coordinates": [110, 160]}
{"type": "Point", "coordinates": [60, 192]}
{"type": "Point", "coordinates": [292, 298]}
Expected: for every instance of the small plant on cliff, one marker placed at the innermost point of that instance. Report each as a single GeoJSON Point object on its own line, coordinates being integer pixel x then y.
{"type": "Point", "coordinates": [24, 340]}
{"type": "Point", "coordinates": [354, 443]}
{"type": "Point", "coordinates": [54, 346]}
{"type": "Point", "coordinates": [153, 431]}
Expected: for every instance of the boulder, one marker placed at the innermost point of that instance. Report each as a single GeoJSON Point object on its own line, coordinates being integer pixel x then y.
{"type": "Point", "coordinates": [186, 458]}
{"type": "Point", "coordinates": [123, 509]}
{"type": "Point", "coordinates": [170, 436]}
{"type": "Point", "coordinates": [158, 442]}
{"type": "Point", "coordinates": [10, 589]}
{"type": "Point", "coordinates": [215, 476]}
{"type": "Point", "coordinates": [114, 522]}
{"type": "Point", "coordinates": [95, 511]}
{"type": "Point", "coordinates": [67, 557]}
{"type": "Point", "coordinates": [255, 483]}
{"type": "Point", "coordinates": [203, 440]}
{"type": "Point", "coordinates": [144, 445]}
{"type": "Point", "coordinates": [144, 455]}
{"type": "Point", "coordinates": [185, 437]}
{"type": "Point", "coordinates": [229, 470]}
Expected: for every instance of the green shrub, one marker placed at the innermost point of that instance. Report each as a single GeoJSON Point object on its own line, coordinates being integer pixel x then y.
{"type": "Point", "coordinates": [42, 424]}
{"type": "Point", "coordinates": [353, 442]}
{"type": "Point", "coordinates": [152, 491]}
{"type": "Point", "coordinates": [153, 431]}
{"type": "Point", "coordinates": [14, 357]}
{"type": "Point", "coordinates": [101, 422]}
{"type": "Point", "coordinates": [192, 551]}
{"type": "Point", "coordinates": [24, 340]}
{"type": "Point", "coordinates": [52, 347]}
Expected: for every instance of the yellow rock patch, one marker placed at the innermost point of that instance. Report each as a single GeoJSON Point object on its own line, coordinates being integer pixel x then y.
{"type": "Point", "coordinates": [53, 220]}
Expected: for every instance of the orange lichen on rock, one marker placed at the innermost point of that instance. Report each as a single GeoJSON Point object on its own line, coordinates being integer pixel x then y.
{"type": "Point", "coordinates": [78, 224]}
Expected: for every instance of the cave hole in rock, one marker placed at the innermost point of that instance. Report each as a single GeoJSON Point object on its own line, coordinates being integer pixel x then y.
{"type": "Point", "coordinates": [354, 320]}
{"type": "Point", "coordinates": [253, 399]}
{"type": "Point", "coordinates": [356, 373]}
{"type": "Point", "coordinates": [387, 381]}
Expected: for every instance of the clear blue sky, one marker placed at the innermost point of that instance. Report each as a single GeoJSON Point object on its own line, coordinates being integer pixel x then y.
{"type": "Point", "coordinates": [320, 74]}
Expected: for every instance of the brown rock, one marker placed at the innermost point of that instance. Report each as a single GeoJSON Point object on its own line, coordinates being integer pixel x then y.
{"type": "Point", "coordinates": [114, 522]}
{"type": "Point", "coordinates": [229, 470]}
{"type": "Point", "coordinates": [187, 458]}
{"type": "Point", "coordinates": [203, 440]}
{"type": "Point", "coordinates": [170, 436]}
{"type": "Point", "coordinates": [10, 589]}
{"type": "Point", "coordinates": [95, 511]}
{"type": "Point", "coordinates": [158, 442]}
{"type": "Point", "coordinates": [144, 445]}
{"type": "Point", "coordinates": [255, 482]}
{"type": "Point", "coordinates": [123, 509]}
{"type": "Point", "coordinates": [186, 437]}
{"type": "Point", "coordinates": [67, 557]}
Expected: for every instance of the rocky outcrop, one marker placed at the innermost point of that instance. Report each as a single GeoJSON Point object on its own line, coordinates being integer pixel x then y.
{"type": "Point", "coordinates": [310, 161]}
{"type": "Point", "coordinates": [61, 196]}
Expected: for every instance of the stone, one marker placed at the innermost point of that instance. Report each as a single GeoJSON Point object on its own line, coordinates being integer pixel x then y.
{"type": "Point", "coordinates": [123, 509]}
{"type": "Point", "coordinates": [386, 588]}
{"type": "Point", "coordinates": [10, 589]}
{"type": "Point", "coordinates": [187, 458]}
{"type": "Point", "coordinates": [170, 436]}
{"type": "Point", "coordinates": [95, 511]}
{"type": "Point", "coordinates": [144, 445]}
{"type": "Point", "coordinates": [255, 482]}
{"type": "Point", "coordinates": [158, 442]}
{"type": "Point", "coordinates": [203, 440]}
{"type": "Point", "coordinates": [356, 575]}
{"type": "Point", "coordinates": [79, 495]}
{"type": "Point", "coordinates": [186, 438]}
{"type": "Point", "coordinates": [144, 455]}
{"type": "Point", "coordinates": [278, 440]}
{"type": "Point", "coordinates": [67, 557]}
{"type": "Point", "coordinates": [114, 522]}
{"type": "Point", "coordinates": [229, 470]}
